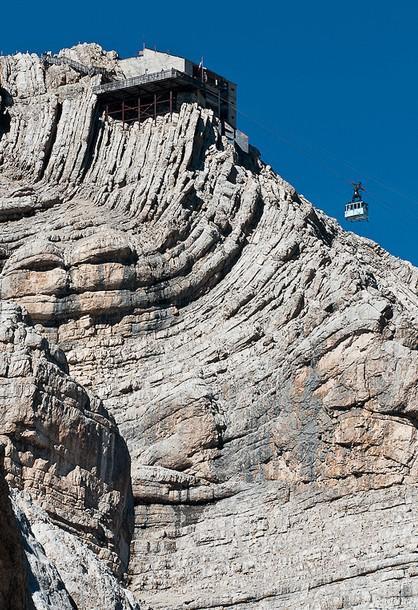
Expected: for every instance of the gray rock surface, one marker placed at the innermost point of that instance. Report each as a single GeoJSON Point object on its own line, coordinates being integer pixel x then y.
{"type": "Point", "coordinates": [260, 363]}
{"type": "Point", "coordinates": [60, 443]}
{"type": "Point", "coordinates": [45, 588]}
{"type": "Point", "coordinates": [64, 573]}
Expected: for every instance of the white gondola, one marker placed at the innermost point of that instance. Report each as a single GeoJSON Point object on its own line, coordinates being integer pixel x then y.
{"type": "Point", "coordinates": [356, 210]}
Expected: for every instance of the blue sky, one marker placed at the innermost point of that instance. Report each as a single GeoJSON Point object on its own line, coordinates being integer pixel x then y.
{"type": "Point", "coordinates": [327, 91]}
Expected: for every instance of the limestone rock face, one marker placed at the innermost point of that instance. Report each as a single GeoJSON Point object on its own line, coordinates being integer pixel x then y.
{"type": "Point", "coordinates": [260, 363]}
{"type": "Point", "coordinates": [60, 443]}
{"type": "Point", "coordinates": [63, 572]}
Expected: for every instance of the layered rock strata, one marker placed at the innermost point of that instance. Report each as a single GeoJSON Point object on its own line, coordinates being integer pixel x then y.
{"type": "Point", "coordinates": [60, 443]}
{"type": "Point", "coordinates": [261, 363]}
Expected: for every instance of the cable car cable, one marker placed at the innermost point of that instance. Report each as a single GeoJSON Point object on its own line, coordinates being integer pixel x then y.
{"type": "Point", "coordinates": [303, 150]}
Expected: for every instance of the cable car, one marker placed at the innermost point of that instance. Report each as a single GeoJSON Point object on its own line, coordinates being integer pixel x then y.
{"type": "Point", "coordinates": [356, 209]}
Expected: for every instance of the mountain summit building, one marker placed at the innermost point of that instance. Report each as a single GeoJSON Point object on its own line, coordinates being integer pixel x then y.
{"type": "Point", "coordinates": [156, 83]}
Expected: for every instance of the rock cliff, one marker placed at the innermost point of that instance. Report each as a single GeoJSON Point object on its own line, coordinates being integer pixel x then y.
{"type": "Point", "coordinates": [198, 363]}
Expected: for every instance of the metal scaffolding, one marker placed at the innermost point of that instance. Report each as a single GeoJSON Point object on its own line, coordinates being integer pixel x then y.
{"type": "Point", "coordinates": [151, 94]}
{"type": "Point", "coordinates": [142, 108]}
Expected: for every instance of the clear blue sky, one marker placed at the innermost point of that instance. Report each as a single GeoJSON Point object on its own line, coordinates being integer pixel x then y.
{"type": "Point", "coordinates": [328, 90]}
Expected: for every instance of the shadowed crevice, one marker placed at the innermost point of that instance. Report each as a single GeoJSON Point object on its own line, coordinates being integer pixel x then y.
{"type": "Point", "coordinates": [6, 101]}
{"type": "Point", "coordinates": [51, 140]}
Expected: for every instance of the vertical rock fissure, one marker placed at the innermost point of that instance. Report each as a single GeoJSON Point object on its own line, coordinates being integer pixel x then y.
{"type": "Point", "coordinates": [49, 145]}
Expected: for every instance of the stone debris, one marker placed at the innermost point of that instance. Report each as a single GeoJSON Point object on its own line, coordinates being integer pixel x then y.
{"type": "Point", "coordinates": [177, 321]}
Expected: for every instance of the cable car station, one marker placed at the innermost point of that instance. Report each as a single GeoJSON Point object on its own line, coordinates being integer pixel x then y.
{"type": "Point", "coordinates": [157, 83]}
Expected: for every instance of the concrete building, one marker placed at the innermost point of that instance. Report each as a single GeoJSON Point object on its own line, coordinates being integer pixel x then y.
{"type": "Point", "coordinates": [155, 83]}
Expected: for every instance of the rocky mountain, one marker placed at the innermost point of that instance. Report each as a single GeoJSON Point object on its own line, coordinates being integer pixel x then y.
{"type": "Point", "coordinates": [209, 390]}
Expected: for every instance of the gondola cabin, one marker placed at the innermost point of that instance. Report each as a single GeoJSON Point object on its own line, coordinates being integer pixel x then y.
{"type": "Point", "coordinates": [356, 210]}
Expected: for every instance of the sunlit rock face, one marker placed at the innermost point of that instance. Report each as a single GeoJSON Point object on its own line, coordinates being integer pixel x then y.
{"type": "Point", "coordinates": [261, 364]}
{"type": "Point", "coordinates": [62, 570]}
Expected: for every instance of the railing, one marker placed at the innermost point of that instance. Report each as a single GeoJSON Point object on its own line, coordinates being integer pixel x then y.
{"type": "Point", "coordinates": [141, 80]}
{"type": "Point", "coordinates": [76, 65]}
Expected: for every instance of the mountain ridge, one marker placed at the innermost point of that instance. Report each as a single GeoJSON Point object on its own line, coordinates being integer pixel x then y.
{"type": "Point", "coordinates": [259, 362]}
